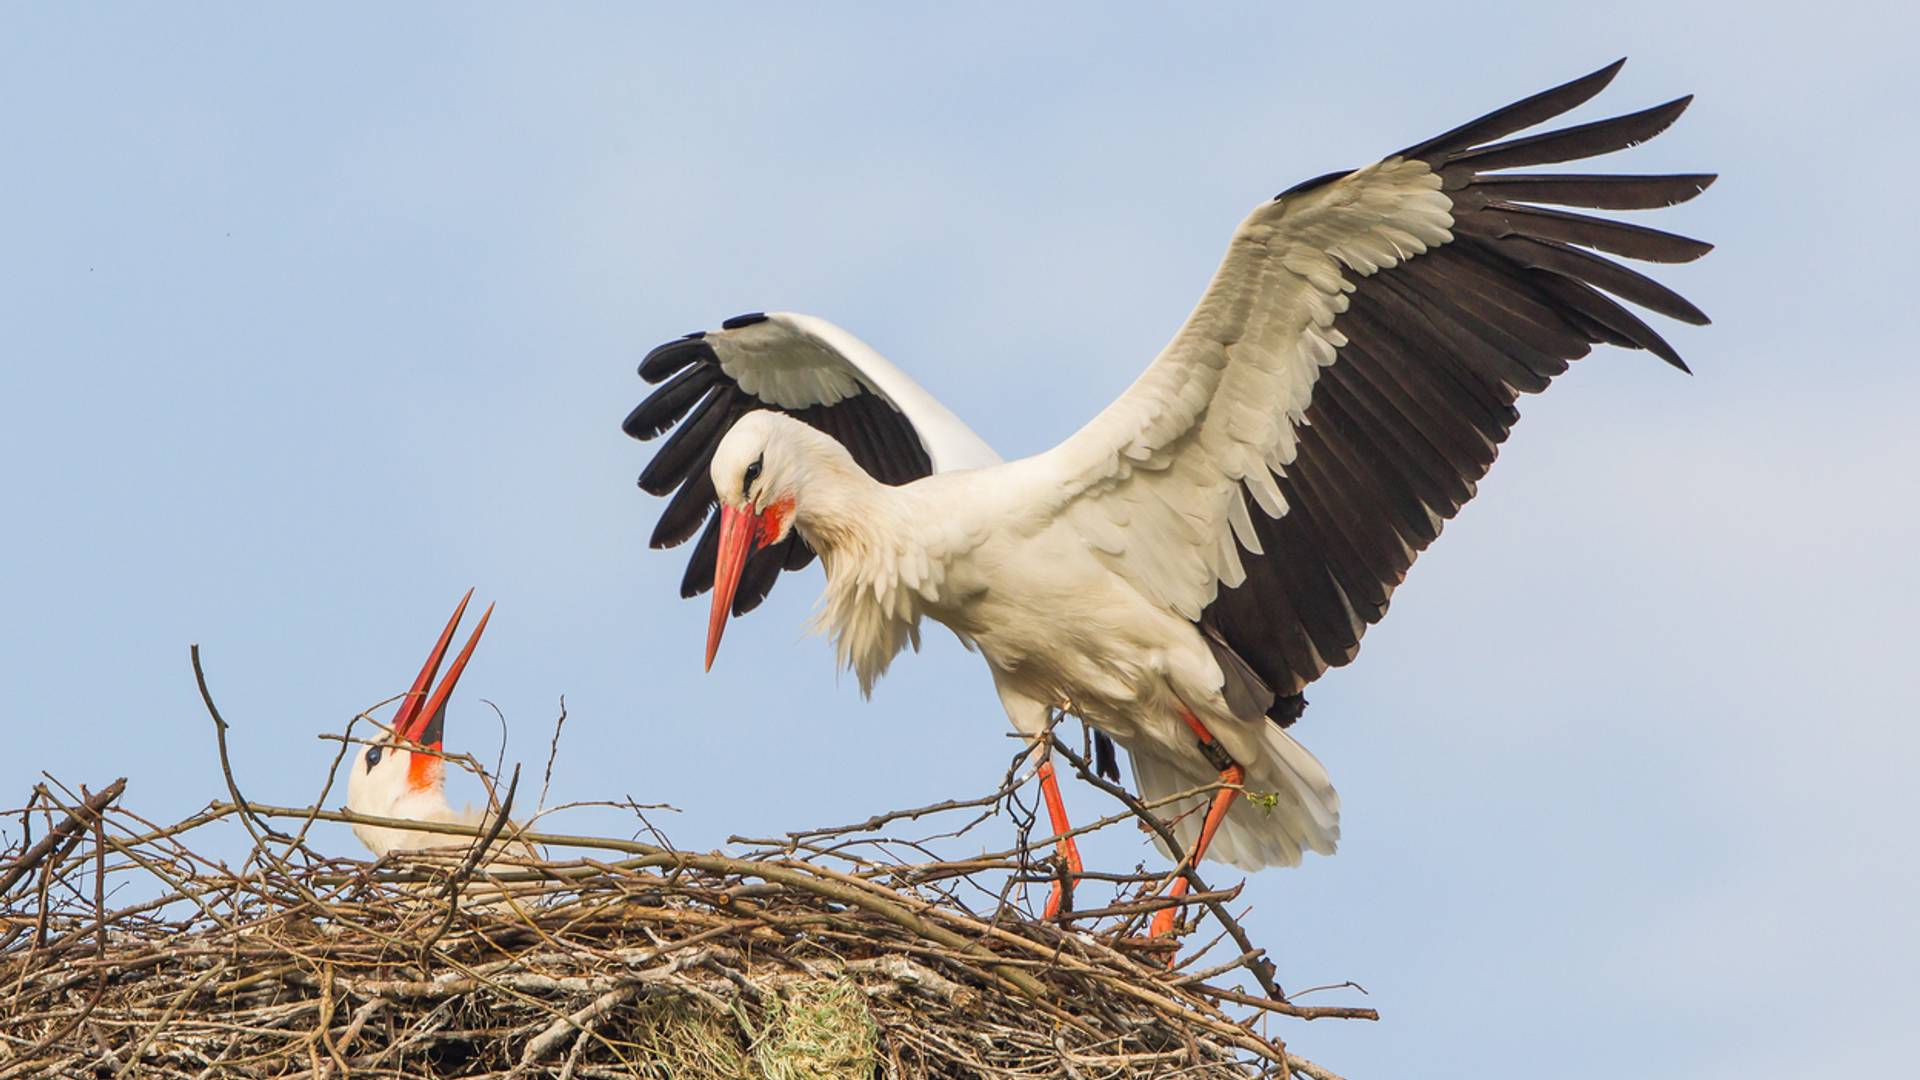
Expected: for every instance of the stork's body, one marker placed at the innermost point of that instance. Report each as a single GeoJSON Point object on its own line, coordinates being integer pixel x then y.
{"type": "Point", "coordinates": [1178, 570]}
{"type": "Point", "coordinates": [981, 552]}
{"type": "Point", "coordinates": [428, 806]}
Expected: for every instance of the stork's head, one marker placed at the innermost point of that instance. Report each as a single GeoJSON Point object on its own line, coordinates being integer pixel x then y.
{"type": "Point", "coordinates": [758, 470]}
{"type": "Point", "coordinates": [401, 774]}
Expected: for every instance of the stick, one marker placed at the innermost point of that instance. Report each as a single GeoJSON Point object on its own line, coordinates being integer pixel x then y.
{"type": "Point", "coordinates": [226, 763]}
{"type": "Point", "coordinates": [69, 828]}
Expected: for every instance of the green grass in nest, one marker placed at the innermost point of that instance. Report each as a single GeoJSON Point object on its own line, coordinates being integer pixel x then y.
{"type": "Point", "coordinates": [815, 1031]}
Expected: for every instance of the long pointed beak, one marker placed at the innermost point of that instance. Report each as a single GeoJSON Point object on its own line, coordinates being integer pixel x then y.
{"type": "Point", "coordinates": [739, 531]}
{"type": "Point", "coordinates": [423, 716]}
{"type": "Point", "coordinates": [405, 720]}
{"type": "Point", "coordinates": [435, 710]}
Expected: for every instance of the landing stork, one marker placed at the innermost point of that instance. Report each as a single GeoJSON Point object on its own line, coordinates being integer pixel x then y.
{"type": "Point", "coordinates": [1177, 571]}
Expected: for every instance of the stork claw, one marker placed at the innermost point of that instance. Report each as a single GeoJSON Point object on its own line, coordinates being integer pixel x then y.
{"type": "Point", "coordinates": [1060, 896]}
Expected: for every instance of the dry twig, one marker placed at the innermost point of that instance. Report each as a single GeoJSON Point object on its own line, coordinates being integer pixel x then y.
{"type": "Point", "coordinates": [824, 953]}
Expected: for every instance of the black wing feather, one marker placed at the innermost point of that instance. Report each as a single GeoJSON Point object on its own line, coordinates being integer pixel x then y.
{"type": "Point", "coordinates": [1518, 116]}
{"type": "Point", "coordinates": [668, 405]}
{"type": "Point", "coordinates": [693, 441]}
{"type": "Point", "coordinates": [1569, 144]}
{"type": "Point", "coordinates": [664, 360]}
{"type": "Point", "coordinates": [1614, 237]}
{"type": "Point", "coordinates": [687, 510]}
{"type": "Point", "coordinates": [1409, 417]}
{"type": "Point", "coordinates": [1601, 192]}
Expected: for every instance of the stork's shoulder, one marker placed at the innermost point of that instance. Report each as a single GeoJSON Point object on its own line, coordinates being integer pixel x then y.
{"type": "Point", "coordinates": [966, 507]}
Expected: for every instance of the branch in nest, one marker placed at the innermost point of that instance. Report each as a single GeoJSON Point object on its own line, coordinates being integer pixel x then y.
{"type": "Point", "coordinates": [875, 948]}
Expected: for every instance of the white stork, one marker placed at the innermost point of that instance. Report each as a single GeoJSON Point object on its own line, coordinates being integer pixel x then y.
{"type": "Point", "coordinates": [403, 775]}
{"type": "Point", "coordinates": [1177, 571]}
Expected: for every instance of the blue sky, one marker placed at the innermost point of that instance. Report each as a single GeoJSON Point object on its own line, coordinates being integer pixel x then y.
{"type": "Point", "coordinates": [311, 323]}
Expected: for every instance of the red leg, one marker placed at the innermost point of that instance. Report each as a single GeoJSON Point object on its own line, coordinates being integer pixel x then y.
{"type": "Point", "coordinates": [1216, 813]}
{"type": "Point", "coordinates": [1057, 818]}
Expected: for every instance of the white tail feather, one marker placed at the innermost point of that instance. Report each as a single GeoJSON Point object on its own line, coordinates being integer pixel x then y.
{"type": "Point", "coordinates": [1305, 815]}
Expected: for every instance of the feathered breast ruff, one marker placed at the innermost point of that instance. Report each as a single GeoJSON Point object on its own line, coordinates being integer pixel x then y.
{"type": "Point", "coordinates": [883, 574]}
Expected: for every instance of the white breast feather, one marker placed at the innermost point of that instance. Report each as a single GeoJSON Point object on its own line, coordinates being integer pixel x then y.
{"type": "Point", "coordinates": [886, 566]}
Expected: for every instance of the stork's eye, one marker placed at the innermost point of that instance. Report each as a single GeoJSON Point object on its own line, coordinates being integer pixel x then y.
{"type": "Point", "coordinates": [373, 757]}
{"type": "Point", "coordinates": [753, 473]}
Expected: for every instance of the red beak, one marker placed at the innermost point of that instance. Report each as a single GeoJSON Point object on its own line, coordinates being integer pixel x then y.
{"type": "Point", "coordinates": [422, 715]}
{"type": "Point", "coordinates": [739, 538]}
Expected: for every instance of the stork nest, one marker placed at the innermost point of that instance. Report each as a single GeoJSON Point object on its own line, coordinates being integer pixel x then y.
{"type": "Point", "coordinates": [820, 954]}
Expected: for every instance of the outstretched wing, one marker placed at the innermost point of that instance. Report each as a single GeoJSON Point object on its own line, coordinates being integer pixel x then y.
{"type": "Point", "coordinates": [1351, 371]}
{"type": "Point", "coordinates": [811, 370]}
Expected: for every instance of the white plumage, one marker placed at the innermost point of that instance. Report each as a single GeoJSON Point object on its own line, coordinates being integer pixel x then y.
{"type": "Point", "coordinates": [380, 789]}
{"type": "Point", "coordinates": [1178, 570]}
{"type": "Point", "coordinates": [982, 552]}
{"type": "Point", "coordinates": [794, 361]}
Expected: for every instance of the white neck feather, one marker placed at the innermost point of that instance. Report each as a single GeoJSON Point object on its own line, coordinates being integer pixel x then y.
{"type": "Point", "coordinates": [881, 574]}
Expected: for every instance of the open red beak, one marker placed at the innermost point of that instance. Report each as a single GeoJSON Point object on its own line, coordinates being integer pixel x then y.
{"type": "Point", "coordinates": [739, 538]}
{"type": "Point", "coordinates": [422, 716]}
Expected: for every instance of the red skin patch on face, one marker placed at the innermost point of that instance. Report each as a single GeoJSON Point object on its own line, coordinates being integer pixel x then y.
{"type": "Point", "coordinates": [773, 520]}
{"type": "Point", "coordinates": [424, 770]}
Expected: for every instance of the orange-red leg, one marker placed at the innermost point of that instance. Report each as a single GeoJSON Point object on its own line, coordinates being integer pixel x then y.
{"type": "Point", "coordinates": [1216, 813]}
{"type": "Point", "coordinates": [1057, 818]}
